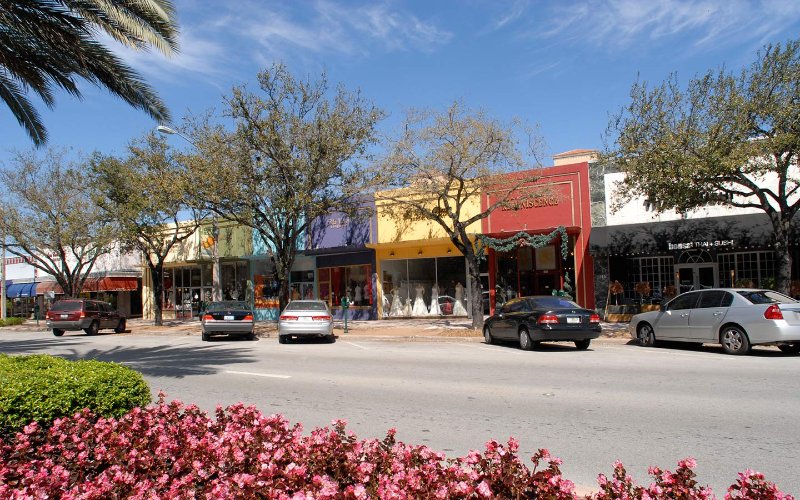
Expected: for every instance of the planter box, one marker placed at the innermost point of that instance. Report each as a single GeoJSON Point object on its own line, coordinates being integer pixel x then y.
{"type": "Point", "coordinates": [618, 318]}
{"type": "Point", "coordinates": [649, 307]}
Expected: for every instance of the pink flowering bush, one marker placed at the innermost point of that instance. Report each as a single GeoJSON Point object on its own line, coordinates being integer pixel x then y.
{"type": "Point", "coordinates": [172, 450]}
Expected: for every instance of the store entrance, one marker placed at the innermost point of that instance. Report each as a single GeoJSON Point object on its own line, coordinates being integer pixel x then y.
{"type": "Point", "coordinates": [695, 276]}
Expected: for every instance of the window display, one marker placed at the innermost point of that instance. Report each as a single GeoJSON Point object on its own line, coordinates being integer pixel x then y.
{"type": "Point", "coordinates": [424, 287]}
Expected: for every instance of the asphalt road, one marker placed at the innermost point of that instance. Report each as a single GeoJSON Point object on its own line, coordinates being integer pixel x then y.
{"type": "Point", "coordinates": [644, 406]}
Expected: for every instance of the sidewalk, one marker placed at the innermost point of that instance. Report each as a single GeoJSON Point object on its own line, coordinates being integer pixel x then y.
{"type": "Point", "coordinates": [432, 328]}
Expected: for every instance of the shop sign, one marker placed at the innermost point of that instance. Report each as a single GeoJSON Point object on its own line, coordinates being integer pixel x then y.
{"type": "Point", "coordinates": [699, 244]}
{"type": "Point", "coordinates": [338, 223]}
{"type": "Point", "coordinates": [538, 202]}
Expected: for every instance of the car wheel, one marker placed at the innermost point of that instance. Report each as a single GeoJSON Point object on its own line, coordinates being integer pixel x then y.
{"type": "Point", "coordinates": [331, 339]}
{"type": "Point", "coordinates": [645, 335]}
{"type": "Point", "coordinates": [94, 327]}
{"type": "Point", "coordinates": [58, 332]}
{"type": "Point", "coordinates": [205, 337]}
{"type": "Point", "coordinates": [282, 339]}
{"type": "Point", "coordinates": [525, 340]}
{"type": "Point", "coordinates": [582, 345]}
{"type": "Point", "coordinates": [487, 335]}
{"type": "Point", "coordinates": [786, 348]}
{"type": "Point", "coordinates": [120, 327]}
{"type": "Point", "coordinates": [251, 336]}
{"type": "Point", "coordinates": [734, 340]}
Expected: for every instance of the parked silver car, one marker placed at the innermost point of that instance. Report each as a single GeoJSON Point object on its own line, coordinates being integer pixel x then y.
{"type": "Point", "coordinates": [231, 317]}
{"type": "Point", "coordinates": [737, 318]}
{"type": "Point", "coordinates": [305, 318]}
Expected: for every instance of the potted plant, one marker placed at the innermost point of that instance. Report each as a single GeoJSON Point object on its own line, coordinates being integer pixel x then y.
{"type": "Point", "coordinates": [614, 312]}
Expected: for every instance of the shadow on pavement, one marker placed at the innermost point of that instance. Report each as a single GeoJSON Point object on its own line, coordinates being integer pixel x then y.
{"type": "Point", "coordinates": [158, 361]}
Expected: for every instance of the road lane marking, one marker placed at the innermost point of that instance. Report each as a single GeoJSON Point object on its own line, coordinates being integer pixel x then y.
{"type": "Point", "coordinates": [254, 374]}
{"type": "Point", "coordinates": [356, 345]}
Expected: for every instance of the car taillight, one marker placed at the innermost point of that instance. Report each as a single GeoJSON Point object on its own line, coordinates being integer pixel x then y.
{"type": "Point", "coordinates": [548, 319]}
{"type": "Point", "coordinates": [82, 315]}
{"type": "Point", "coordinates": [249, 317]}
{"type": "Point", "coordinates": [320, 318]}
{"type": "Point", "coordinates": [773, 312]}
{"type": "Point", "coordinates": [207, 316]}
{"type": "Point", "coordinates": [594, 318]}
{"type": "Point", "coordinates": [288, 318]}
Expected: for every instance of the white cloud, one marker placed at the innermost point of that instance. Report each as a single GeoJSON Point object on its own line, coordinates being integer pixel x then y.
{"type": "Point", "coordinates": [518, 8]}
{"type": "Point", "coordinates": [618, 24]}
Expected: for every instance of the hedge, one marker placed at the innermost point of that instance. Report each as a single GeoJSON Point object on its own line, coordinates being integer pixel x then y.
{"type": "Point", "coordinates": [42, 388]}
{"type": "Point", "coordinates": [11, 321]}
{"type": "Point", "coordinates": [177, 451]}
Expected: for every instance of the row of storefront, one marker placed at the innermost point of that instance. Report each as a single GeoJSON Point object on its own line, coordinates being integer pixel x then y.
{"type": "Point", "coordinates": [391, 268]}
{"type": "Point", "coordinates": [388, 267]}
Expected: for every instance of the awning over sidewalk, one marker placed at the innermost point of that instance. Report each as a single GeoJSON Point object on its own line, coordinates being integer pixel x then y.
{"type": "Point", "coordinates": [111, 284]}
{"type": "Point", "coordinates": [713, 233]}
{"type": "Point", "coordinates": [16, 290]}
{"type": "Point", "coordinates": [49, 286]}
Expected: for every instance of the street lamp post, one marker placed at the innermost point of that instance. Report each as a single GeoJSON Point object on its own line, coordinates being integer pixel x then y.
{"type": "Point", "coordinates": [216, 290]}
{"type": "Point", "coordinates": [3, 311]}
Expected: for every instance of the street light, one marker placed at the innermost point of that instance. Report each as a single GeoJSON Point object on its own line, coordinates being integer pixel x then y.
{"type": "Point", "coordinates": [215, 287]}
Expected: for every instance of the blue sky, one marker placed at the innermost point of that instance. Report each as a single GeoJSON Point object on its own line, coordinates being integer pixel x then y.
{"type": "Point", "coordinates": [564, 65]}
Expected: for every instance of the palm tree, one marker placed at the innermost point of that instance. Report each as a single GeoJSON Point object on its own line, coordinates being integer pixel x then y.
{"type": "Point", "coordinates": [50, 43]}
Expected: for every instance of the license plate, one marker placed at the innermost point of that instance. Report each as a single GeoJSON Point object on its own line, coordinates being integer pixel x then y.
{"type": "Point", "coordinates": [573, 319]}
{"type": "Point", "coordinates": [228, 318]}
{"type": "Point", "coordinates": [64, 316]}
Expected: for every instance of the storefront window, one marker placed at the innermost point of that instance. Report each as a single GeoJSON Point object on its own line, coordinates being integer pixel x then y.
{"type": "Point", "coordinates": [424, 287]}
{"type": "Point", "coordinates": [265, 286]}
{"type": "Point", "coordinates": [302, 284]}
{"type": "Point", "coordinates": [353, 282]}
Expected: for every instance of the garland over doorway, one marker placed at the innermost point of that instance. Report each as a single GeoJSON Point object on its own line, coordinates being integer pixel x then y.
{"type": "Point", "coordinates": [522, 239]}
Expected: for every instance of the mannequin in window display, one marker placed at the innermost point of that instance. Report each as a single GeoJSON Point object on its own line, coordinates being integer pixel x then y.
{"type": "Point", "coordinates": [397, 306]}
{"type": "Point", "coordinates": [434, 309]}
{"type": "Point", "coordinates": [419, 309]}
{"type": "Point", "coordinates": [357, 298]}
{"type": "Point", "coordinates": [458, 307]}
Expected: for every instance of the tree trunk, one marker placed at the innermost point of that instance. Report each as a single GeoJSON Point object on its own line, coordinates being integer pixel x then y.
{"type": "Point", "coordinates": [781, 226]}
{"type": "Point", "coordinates": [476, 293]}
{"type": "Point", "coordinates": [157, 272]}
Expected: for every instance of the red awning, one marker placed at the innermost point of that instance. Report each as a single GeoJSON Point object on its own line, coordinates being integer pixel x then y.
{"type": "Point", "coordinates": [111, 284]}
{"type": "Point", "coordinates": [49, 286]}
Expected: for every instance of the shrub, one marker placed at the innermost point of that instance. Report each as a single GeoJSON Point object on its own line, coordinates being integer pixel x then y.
{"type": "Point", "coordinates": [11, 321]}
{"type": "Point", "coordinates": [43, 388]}
{"type": "Point", "coordinates": [177, 451]}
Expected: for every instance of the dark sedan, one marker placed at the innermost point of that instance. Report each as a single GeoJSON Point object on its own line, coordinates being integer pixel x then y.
{"type": "Point", "coordinates": [531, 320]}
{"type": "Point", "coordinates": [232, 317]}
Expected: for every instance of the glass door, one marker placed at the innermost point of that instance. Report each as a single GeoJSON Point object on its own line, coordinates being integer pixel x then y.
{"type": "Point", "coordinates": [695, 277]}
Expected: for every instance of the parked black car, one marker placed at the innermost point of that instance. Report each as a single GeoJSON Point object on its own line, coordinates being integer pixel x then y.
{"type": "Point", "coordinates": [531, 320]}
{"type": "Point", "coordinates": [88, 315]}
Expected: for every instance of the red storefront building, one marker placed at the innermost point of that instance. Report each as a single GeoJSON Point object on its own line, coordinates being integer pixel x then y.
{"type": "Point", "coordinates": [562, 200]}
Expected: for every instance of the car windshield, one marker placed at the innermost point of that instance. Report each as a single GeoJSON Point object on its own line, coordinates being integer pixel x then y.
{"type": "Point", "coordinates": [306, 305]}
{"type": "Point", "coordinates": [67, 305]}
{"type": "Point", "coordinates": [227, 305]}
{"type": "Point", "coordinates": [766, 297]}
{"type": "Point", "coordinates": [553, 303]}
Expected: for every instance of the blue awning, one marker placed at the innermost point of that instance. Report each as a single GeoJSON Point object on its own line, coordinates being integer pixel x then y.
{"type": "Point", "coordinates": [16, 290]}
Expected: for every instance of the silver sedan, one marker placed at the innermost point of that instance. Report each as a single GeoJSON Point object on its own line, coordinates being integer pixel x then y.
{"type": "Point", "coordinates": [231, 317]}
{"type": "Point", "coordinates": [305, 318]}
{"type": "Point", "coordinates": [737, 318]}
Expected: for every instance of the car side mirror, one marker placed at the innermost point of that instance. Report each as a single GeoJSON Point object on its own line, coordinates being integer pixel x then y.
{"type": "Point", "coordinates": [662, 307]}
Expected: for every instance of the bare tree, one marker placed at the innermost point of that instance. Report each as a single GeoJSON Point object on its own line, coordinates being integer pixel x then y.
{"type": "Point", "coordinates": [48, 215]}
{"type": "Point", "coordinates": [444, 162]}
